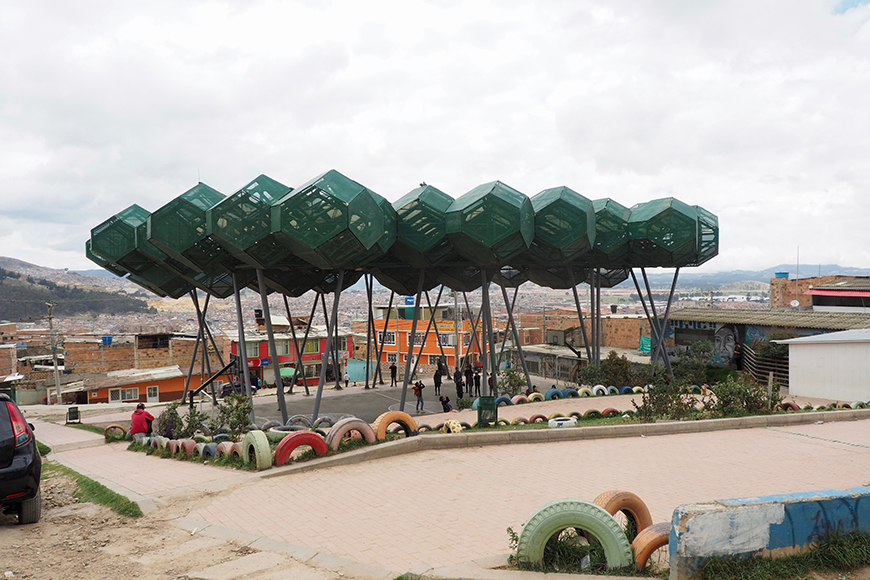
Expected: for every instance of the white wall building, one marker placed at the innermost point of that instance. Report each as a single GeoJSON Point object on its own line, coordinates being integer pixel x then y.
{"type": "Point", "coordinates": [832, 366]}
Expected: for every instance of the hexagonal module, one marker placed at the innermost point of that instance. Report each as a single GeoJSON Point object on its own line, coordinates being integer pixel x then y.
{"type": "Point", "coordinates": [610, 249]}
{"type": "Point", "coordinates": [557, 277]}
{"type": "Point", "coordinates": [663, 233]}
{"type": "Point", "coordinates": [510, 277]}
{"type": "Point", "coordinates": [461, 277]}
{"type": "Point", "coordinates": [421, 240]}
{"type": "Point", "coordinates": [708, 236]}
{"type": "Point", "coordinates": [404, 281]}
{"type": "Point", "coordinates": [564, 227]}
{"type": "Point", "coordinates": [331, 221]}
{"type": "Point", "coordinates": [491, 224]}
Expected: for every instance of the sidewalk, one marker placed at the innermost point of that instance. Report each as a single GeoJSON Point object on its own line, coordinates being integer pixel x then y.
{"type": "Point", "coordinates": [457, 503]}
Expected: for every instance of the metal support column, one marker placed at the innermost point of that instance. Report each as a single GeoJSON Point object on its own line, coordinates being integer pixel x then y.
{"type": "Point", "coordinates": [325, 359]}
{"type": "Point", "coordinates": [301, 351]}
{"type": "Point", "coordinates": [383, 342]}
{"type": "Point", "coordinates": [411, 338]}
{"type": "Point", "coordinates": [580, 314]}
{"type": "Point", "coordinates": [273, 350]}
{"type": "Point", "coordinates": [513, 325]}
{"type": "Point", "coordinates": [242, 347]}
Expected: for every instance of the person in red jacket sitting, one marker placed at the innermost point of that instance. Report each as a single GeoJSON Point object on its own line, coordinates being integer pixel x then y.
{"type": "Point", "coordinates": [141, 420]}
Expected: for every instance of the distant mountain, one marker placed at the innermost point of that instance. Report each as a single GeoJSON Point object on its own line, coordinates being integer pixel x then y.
{"type": "Point", "coordinates": [100, 273]}
{"type": "Point", "coordinates": [713, 280]}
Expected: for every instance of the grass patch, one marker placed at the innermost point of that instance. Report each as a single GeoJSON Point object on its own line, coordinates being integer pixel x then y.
{"type": "Point", "coordinates": [43, 448]}
{"type": "Point", "coordinates": [86, 427]}
{"type": "Point", "coordinates": [88, 490]}
{"type": "Point", "coordinates": [838, 553]}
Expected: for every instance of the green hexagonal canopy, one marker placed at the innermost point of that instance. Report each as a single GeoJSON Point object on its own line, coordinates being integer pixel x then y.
{"type": "Point", "coordinates": [421, 240]}
{"type": "Point", "coordinates": [611, 234]}
{"type": "Point", "coordinates": [404, 281]}
{"type": "Point", "coordinates": [113, 268]}
{"type": "Point", "coordinates": [708, 236]}
{"type": "Point", "coordinates": [663, 233]}
{"type": "Point", "coordinates": [557, 277]}
{"type": "Point", "coordinates": [330, 221]}
{"type": "Point", "coordinates": [564, 227]}
{"type": "Point", "coordinates": [491, 224]}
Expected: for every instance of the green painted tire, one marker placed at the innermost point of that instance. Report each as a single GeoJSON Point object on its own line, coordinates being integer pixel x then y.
{"type": "Point", "coordinates": [561, 514]}
{"type": "Point", "coordinates": [255, 449]}
{"type": "Point", "coordinates": [197, 450]}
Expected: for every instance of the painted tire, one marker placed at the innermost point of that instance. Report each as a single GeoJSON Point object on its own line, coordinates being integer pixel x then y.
{"type": "Point", "coordinates": [592, 414]}
{"type": "Point", "coordinates": [503, 401]}
{"type": "Point", "coordinates": [537, 418]}
{"type": "Point", "coordinates": [174, 446]}
{"type": "Point", "coordinates": [536, 398]}
{"type": "Point", "coordinates": [256, 450]}
{"type": "Point", "coordinates": [789, 406]}
{"type": "Point", "coordinates": [423, 428]}
{"type": "Point", "coordinates": [610, 411]}
{"type": "Point", "coordinates": [204, 430]}
{"type": "Point", "coordinates": [406, 422]}
{"type": "Point", "coordinates": [289, 443]}
{"type": "Point", "coordinates": [237, 450]}
{"type": "Point", "coordinates": [345, 426]}
{"type": "Point", "coordinates": [114, 428]}
{"type": "Point", "coordinates": [187, 445]}
{"type": "Point", "coordinates": [634, 508]}
{"type": "Point", "coordinates": [269, 424]}
{"type": "Point", "coordinates": [475, 404]}
{"type": "Point", "coordinates": [466, 425]}
{"type": "Point", "coordinates": [561, 514]}
{"type": "Point", "coordinates": [299, 420]}
{"type": "Point", "coordinates": [626, 391]}
{"type": "Point", "coordinates": [519, 400]}
{"type": "Point", "coordinates": [325, 421]}
{"type": "Point", "coordinates": [451, 426]}
{"type": "Point", "coordinates": [503, 422]}
{"type": "Point", "coordinates": [209, 451]}
{"type": "Point", "coordinates": [648, 541]}
{"type": "Point", "coordinates": [859, 405]}
{"type": "Point", "coordinates": [556, 415]}
{"type": "Point", "coordinates": [553, 394]}
{"type": "Point", "coordinates": [611, 390]}
{"type": "Point", "coordinates": [276, 434]}
{"type": "Point", "coordinates": [638, 390]}
{"type": "Point", "coordinates": [224, 448]}
{"type": "Point", "coordinates": [695, 389]}
{"type": "Point", "coordinates": [519, 421]}
{"type": "Point", "coordinates": [585, 392]}
{"type": "Point", "coordinates": [220, 437]}
{"type": "Point", "coordinates": [162, 442]}
{"type": "Point", "coordinates": [570, 393]}
{"type": "Point", "coordinates": [197, 450]}
{"type": "Point", "coordinates": [576, 414]}
{"type": "Point", "coordinates": [438, 427]}
{"type": "Point", "coordinates": [807, 407]}
{"type": "Point", "coordinates": [599, 390]}
{"type": "Point", "coordinates": [154, 442]}
{"type": "Point", "coordinates": [843, 406]}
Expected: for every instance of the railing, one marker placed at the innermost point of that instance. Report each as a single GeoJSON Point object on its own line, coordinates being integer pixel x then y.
{"type": "Point", "coordinates": [760, 367]}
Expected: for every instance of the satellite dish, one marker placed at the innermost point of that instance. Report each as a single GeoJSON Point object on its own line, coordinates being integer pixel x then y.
{"type": "Point", "coordinates": [795, 303]}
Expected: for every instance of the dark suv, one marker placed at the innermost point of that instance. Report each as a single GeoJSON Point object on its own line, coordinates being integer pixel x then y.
{"type": "Point", "coordinates": [20, 465]}
{"type": "Point", "coordinates": [235, 388]}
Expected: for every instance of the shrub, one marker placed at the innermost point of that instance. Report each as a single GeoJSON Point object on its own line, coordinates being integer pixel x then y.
{"type": "Point", "coordinates": [692, 364]}
{"type": "Point", "coordinates": [464, 404]}
{"type": "Point", "coordinates": [741, 396]}
{"type": "Point", "coordinates": [512, 381]}
{"type": "Point", "coordinates": [767, 349]}
{"type": "Point", "coordinates": [615, 370]}
{"type": "Point", "coordinates": [666, 399]}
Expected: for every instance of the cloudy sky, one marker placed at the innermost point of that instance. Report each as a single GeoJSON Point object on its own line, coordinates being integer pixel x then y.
{"type": "Point", "coordinates": [755, 110]}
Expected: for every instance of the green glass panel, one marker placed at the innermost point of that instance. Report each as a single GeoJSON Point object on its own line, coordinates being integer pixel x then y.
{"type": "Point", "coordinates": [708, 236]}
{"type": "Point", "coordinates": [564, 226]}
{"type": "Point", "coordinates": [611, 234]}
{"type": "Point", "coordinates": [113, 268]}
{"type": "Point", "coordinates": [663, 233]}
{"type": "Point", "coordinates": [557, 276]}
{"type": "Point", "coordinates": [403, 281]}
{"type": "Point", "coordinates": [115, 238]}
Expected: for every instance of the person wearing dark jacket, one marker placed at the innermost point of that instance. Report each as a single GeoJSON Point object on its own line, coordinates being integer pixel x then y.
{"type": "Point", "coordinates": [445, 404]}
{"type": "Point", "coordinates": [457, 378]}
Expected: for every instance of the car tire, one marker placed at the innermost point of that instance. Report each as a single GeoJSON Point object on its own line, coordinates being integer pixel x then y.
{"type": "Point", "coordinates": [256, 450]}
{"type": "Point", "coordinates": [30, 510]}
{"type": "Point", "coordinates": [289, 444]}
{"type": "Point", "coordinates": [630, 504]}
{"type": "Point", "coordinates": [648, 541]}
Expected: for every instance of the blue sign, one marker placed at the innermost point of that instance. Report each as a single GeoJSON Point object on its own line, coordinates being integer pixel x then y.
{"type": "Point", "coordinates": [409, 300]}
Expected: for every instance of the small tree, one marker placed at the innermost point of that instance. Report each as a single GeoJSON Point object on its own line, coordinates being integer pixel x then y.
{"type": "Point", "coordinates": [691, 367]}
{"type": "Point", "coordinates": [615, 370]}
{"type": "Point", "coordinates": [512, 381]}
{"type": "Point", "coordinates": [234, 413]}
{"type": "Point", "coordinates": [665, 399]}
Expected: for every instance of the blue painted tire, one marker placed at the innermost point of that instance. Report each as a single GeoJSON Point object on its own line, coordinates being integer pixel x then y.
{"type": "Point", "coordinates": [209, 450]}
{"type": "Point", "coordinates": [626, 390]}
{"type": "Point", "coordinates": [570, 393]}
{"type": "Point", "coordinates": [553, 394]}
{"type": "Point", "coordinates": [503, 401]}
{"type": "Point", "coordinates": [220, 437]}
{"type": "Point", "coordinates": [475, 404]}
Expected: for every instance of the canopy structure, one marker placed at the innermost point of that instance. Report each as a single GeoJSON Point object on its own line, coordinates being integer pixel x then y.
{"type": "Point", "coordinates": [330, 231]}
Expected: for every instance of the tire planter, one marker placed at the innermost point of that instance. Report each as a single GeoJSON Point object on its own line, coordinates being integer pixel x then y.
{"type": "Point", "coordinates": [556, 415]}
{"type": "Point", "coordinates": [519, 400]}
{"type": "Point", "coordinates": [789, 406]}
{"type": "Point", "coordinates": [538, 418]}
{"type": "Point", "coordinates": [204, 430]}
{"type": "Point", "coordinates": [611, 390]}
{"type": "Point", "coordinates": [592, 414]}
{"type": "Point", "coordinates": [153, 442]}
{"type": "Point", "coordinates": [859, 405]}
{"type": "Point", "coordinates": [269, 424]}
{"type": "Point", "coordinates": [503, 401]}
{"type": "Point", "coordinates": [648, 541]}
{"type": "Point", "coordinates": [299, 420]}
{"type": "Point", "coordinates": [406, 422]}
{"type": "Point", "coordinates": [197, 450]}
{"type": "Point", "coordinates": [628, 412]}
{"type": "Point", "coordinates": [451, 426]}
{"type": "Point", "coordinates": [626, 391]}
{"type": "Point", "coordinates": [695, 389]}
{"type": "Point", "coordinates": [610, 411]}
{"type": "Point", "coordinates": [224, 448]}
{"type": "Point", "coordinates": [475, 404]}
{"type": "Point", "coordinates": [186, 445]}
{"type": "Point", "coordinates": [423, 428]}
{"type": "Point", "coordinates": [536, 398]}
{"type": "Point", "coordinates": [256, 450]}
{"type": "Point", "coordinates": [570, 393]}
{"type": "Point", "coordinates": [561, 514]}
{"type": "Point", "coordinates": [599, 390]}
{"type": "Point", "coordinates": [585, 392]}
{"type": "Point", "coordinates": [807, 407]}
{"type": "Point", "coordinates": [634, 508]}
{"type": "Point", "coordinates": [112, 428]}
{"type": "Point", "coordinates": [275, 434]}
{"type": "Point", "coordinates": [576, 414]}
{"type": "Point", "coordinates": [638, 390]}
{"type": "Point", "coordinates": [519, 421]}
{"type": "Point", "coordinates": [174, 446]}
{"type": "Point", "coordinates": [220, 437]}
{"type": "Point", "coordinates": [162, 442]}
{"type": "Point", "coordinates": [237, 450]}
{"type": "Point", "coordinates": [209, 451]}
{"type": "Point", "coordinates": [345, 426]}
{"type": "Point", "coordinates": [466, 425]}
{"type": "Point", "coordinates": [289, 444]}
{"type": "Point", "coordinates": [325, 421]}
{"type": "Point", "coordinates": [553, 394]}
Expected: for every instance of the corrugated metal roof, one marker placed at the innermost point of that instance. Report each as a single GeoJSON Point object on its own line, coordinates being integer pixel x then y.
{"type": "Point", "coordinates": [779, 318]}
{"type": "Point", "coordinates": [857, 335]}
{"type": "Point", "coordinates": [846, 284]}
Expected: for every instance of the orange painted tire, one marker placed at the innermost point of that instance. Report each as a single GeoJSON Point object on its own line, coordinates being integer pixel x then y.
{"type": "Point", "coordinates": [296, 439]}
{"type": "Point", "coordinates": [407, 423]}
{"type": "Point", "coordinates": [237, 450]}
{"type": "Point", "coordinates": [187, 445]}
{"type": "Point", "coordinates": [114, 428]}
{"type": "Point", "coordinates": [610, 411]}
{"type": "Point", "coordinates": [536, 418]}
{"type": "Point", "coordinates": [224, 448]}
{"type": "Point", "coordinates": [345, 426]}
{"type": "Point", "coordinates": [648, 541]}
{"type": "Point", "coordinates": [617, 500]}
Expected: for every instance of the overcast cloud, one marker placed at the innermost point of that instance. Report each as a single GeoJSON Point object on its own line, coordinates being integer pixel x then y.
{"type": "Point", "coordinates": [755, 110]}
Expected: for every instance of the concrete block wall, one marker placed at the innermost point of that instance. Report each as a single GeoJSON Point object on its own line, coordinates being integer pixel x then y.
{"type": "Point", "coordinates": [776, 525]}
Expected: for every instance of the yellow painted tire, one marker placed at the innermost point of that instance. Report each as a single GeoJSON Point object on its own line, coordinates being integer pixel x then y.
{"type": "Point", "coordinates": [406, 422]}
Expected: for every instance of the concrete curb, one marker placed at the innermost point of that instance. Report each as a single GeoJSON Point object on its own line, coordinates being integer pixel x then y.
{"type": "Point", "coordinates": [465, 439]}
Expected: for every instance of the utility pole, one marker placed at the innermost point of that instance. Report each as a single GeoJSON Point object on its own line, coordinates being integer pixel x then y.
{"type": "Point", "coordinates": [51, 306]}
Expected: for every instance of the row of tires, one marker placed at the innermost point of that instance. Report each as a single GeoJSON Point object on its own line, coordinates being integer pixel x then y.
{"type": "Point", "coordinates": [568, 393]}
{"type": "Point", "coordinates": [596, 518]}
{"type": "Point", "coordinates": [449, 426]}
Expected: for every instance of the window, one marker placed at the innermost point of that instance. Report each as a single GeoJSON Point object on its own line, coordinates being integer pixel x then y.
{"type": "Point", "coordinates": [282, 347]}
{"type": "Point", "coordinates": [418, 338]}
{"type": "Point", "coordinates": [341, 343]}
{"type": "Point", "coordinates": [312, 370]}
{"type": "Point", "coordinates": [391, 357]}
{"type": "Point", "coordinates": [445, 339]}
{"type": "Point", "coordinates": [312, 346]}
{"type": "Point", "coordinates": [533, 366]}
{"type": "Point", "coordinates": [121, 395]}
{"type": "Point", "coordinates": [252, 349]}
{"type": "Point", "coordinates": [387, 337]}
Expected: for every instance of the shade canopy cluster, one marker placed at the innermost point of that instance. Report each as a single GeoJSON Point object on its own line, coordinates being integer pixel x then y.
{"type": "Point", "coordinates": [301, 238]}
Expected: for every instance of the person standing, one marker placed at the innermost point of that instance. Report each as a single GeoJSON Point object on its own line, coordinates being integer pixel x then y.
{"type": "Point", "coordinates": [438, 381]}
{"type": "Point", "coordinates": [457, 378]}
{"type": "Point", "coordinates": [418, 390]}
{"type": "Point", "coordinates": [492, 391]}
{"type": "Point", "coordinates": [469, 378]}
{"type": "Point", "coordinates": [346, 379]}
{"type": "Point", "coordinates": [477, 383]}
{"type": "Point", "coordinates": [393, 370]}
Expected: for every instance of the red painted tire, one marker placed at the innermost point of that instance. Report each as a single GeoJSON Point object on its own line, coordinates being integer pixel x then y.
{"type": "Point", "coordinates": [610, 411]}
{"type": "Point", "coordinates": [648, 541]}
{"type": "Point", "coordinates": [617, 500]}
{"type": "Point", "coordinates": [789, 406]}
{"type": "Point", "coordinates": [536, 418]}
{"type": "Point", "coordinates": [224, 448]}
{"type": "Point", "coordinates": [345, 426]}
{"type": "Point", "coordinates": [174, 446]}
{"type": "Point", "coordinates": [187, 445]}
{"type": "Point", "coordinates": [289, 443]}
{"type": "Point", "coordinates": [407, 423]}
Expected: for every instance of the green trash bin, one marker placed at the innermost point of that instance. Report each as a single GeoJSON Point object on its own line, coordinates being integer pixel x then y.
{"type": "Point", "coordinates": [487, 412]}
